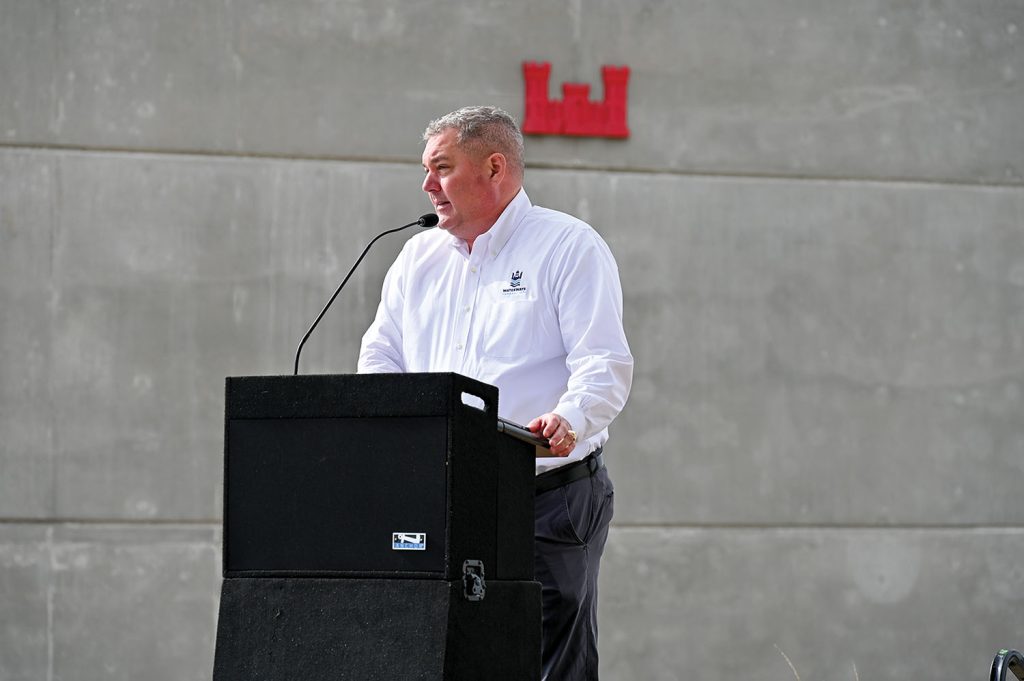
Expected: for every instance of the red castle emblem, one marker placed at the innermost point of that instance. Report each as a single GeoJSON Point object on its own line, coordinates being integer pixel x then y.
{"type": "Point", "coordinates": [575, 114]}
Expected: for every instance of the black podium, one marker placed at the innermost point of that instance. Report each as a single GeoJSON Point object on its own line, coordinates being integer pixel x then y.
{"type": "Point", "coordinates": [375, 527]}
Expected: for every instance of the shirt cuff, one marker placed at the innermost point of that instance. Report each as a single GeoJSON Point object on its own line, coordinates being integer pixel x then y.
{"type": "Point", "coordinates": [575, 417]}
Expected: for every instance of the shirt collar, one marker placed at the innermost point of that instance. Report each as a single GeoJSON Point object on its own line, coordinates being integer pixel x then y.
{"type": "Point", "coordinates": [495, 238]}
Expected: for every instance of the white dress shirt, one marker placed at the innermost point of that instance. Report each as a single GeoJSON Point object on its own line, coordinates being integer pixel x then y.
{"type": "Point", "coordinates": [535, 309]}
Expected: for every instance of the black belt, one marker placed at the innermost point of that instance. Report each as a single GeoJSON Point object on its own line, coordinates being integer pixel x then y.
{"type": "Point", "coordinates": [577, 470]}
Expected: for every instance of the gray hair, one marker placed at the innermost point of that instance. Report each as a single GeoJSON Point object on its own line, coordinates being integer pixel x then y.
{"type": "Point", "coordinates": [483, 129]}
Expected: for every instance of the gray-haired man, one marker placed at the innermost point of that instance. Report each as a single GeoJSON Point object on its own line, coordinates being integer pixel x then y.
{"type": "Point", "coordinates": [527, 299]}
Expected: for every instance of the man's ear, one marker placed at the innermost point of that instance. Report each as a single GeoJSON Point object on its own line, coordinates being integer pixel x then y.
{"type": "Point", "coordinates": [497, 165]}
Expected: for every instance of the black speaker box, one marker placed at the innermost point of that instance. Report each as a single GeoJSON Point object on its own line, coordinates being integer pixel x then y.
{"type": "Point", "coordinates": [342, 475]}
{"type": "Point", "coordinates": [317, 629]}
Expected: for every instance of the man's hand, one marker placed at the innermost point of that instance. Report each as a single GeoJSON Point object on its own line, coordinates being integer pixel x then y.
{"type": "Point", "coordinates": [557, 430]}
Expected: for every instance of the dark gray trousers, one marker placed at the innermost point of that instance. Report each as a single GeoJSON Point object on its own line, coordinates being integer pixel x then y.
{"type": "Point", "coordinates": [570, 531]}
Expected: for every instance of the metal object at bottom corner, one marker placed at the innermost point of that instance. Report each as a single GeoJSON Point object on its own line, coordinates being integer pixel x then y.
{"type": "Point", "coordinates": [1007, 660]}
{"type": "Point", "coordinates": [474, 586]}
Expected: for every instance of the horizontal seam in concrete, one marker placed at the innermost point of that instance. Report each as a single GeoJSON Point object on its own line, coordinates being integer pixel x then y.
{"type": "Point", "coordinates": [531, 166]}
{"type": "Point", "coordinates": [816, 526]}
{"type": "Point", "coordinates": [130, 522]}
{"type": "Point", "coordinates": [622, 526]}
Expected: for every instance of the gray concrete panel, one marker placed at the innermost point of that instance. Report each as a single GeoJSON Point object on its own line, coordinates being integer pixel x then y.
{"type": "Point", "coordinates": [362, 79]}
{"type": "Point", "coordinates": [26, 232]}
{"type": "Point", "coordinates": [795, 87]}
{"type": "Point", "coordinates": [837, 605]}
{"type": "Point", "coordinates": [813, 352]}
{"type": "Point", "coordinates": [826, 89]}
{"type": "Point", "coordinates": [302, 79]}
{"type": "Point", "coordinates": [26, 600]}
{"type": "Point", "coordinates": [129, 74]}
{"type": "Point", "coordinates": [29, 55]}
{"type": "Point", "coordinates": [106, 602]}
{"type": "Point", "coordinates": [170, 274]}
{"type": "Point", "coordinates": [807, 352]}
{"type": "Point", "coordinates": [154, 592]}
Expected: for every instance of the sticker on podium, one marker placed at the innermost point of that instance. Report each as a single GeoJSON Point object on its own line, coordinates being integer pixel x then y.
{"type": "Point", "coordinates": [409, 541]}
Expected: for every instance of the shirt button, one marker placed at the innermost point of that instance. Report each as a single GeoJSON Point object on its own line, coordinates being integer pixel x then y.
{"type": "Point", "coordinates": [459, 346]}
{"type": "Point", "coordinates": [466, 309]}
{"type": "Point", "coordinates": [473, 269]}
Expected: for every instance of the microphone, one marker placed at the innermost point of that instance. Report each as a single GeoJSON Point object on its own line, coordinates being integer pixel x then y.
{"type": "Point", "coordinates": [425, 221]}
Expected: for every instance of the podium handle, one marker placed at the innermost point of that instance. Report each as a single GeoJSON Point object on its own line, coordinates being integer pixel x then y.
{"type": "Point", "coordinates": [474, 401]}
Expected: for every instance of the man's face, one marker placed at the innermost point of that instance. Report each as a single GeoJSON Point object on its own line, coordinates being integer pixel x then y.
{"type": "Point", "coordinates": [460, 187]}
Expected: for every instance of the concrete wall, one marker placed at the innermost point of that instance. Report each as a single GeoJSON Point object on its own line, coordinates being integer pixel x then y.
{"type": "Point", "coordinates": [819, 219]}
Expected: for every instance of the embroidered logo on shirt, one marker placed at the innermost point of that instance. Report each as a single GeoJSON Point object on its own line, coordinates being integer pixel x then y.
{"type": "Point", "coordinates": [515, 285]}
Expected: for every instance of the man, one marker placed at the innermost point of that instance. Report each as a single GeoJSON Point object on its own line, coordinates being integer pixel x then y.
{"type": "Point", "coordinates": [529, 300]}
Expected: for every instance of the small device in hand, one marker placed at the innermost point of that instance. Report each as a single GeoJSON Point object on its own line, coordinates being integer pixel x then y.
{"type": "Point", "coordinates": [526, 435]}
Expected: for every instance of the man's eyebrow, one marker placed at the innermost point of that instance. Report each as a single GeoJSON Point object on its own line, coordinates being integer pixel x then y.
{"type": "Point", "coordinates": [438, 157]}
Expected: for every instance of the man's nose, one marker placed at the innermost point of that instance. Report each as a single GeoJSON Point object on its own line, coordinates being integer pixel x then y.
{"type": "Point", "coordinates": [430, 183]}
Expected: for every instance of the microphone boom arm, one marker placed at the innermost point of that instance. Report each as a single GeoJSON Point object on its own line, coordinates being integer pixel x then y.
{"type": "Point", "coordinates": [428, 220]}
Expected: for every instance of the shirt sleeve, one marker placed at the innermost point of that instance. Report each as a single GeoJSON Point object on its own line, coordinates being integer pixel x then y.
{"type": "Point", "coordinates": [381, 349]}
{"type": "Point", "coordinates": [589, 302]}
